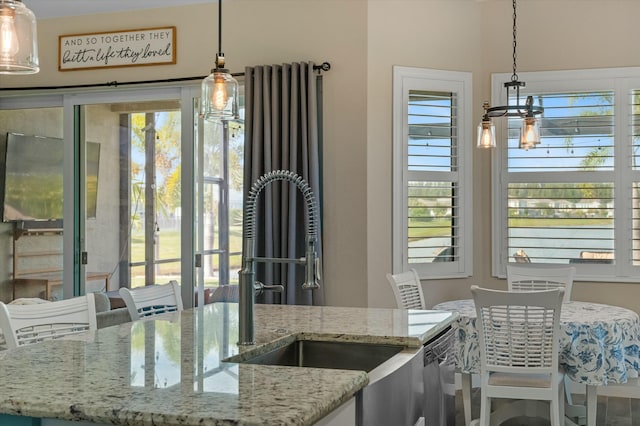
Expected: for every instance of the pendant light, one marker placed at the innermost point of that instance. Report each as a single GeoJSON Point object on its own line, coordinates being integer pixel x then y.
{"type": "Point", "coordinates": [219, 89]}
{"type": "Point", "coordinates": [18, 39]}
{"type": "Point", "coordinates": [530, 130]}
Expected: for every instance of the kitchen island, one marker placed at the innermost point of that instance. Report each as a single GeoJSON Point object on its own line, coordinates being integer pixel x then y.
{"type": "Point", "coordinates": [172, 370]}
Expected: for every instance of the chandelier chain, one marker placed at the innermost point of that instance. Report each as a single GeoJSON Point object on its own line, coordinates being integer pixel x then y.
{"type": "Point", "coordinates": [514, 77]}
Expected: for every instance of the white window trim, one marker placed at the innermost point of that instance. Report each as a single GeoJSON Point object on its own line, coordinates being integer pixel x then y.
{"type": "Point", "coordinates": [620, 80]}
{"type": "Point", "coordinates": [405, 78]}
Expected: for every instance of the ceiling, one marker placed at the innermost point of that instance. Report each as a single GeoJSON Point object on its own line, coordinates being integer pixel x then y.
{"type": "Point", "coordinates": [44, 9]}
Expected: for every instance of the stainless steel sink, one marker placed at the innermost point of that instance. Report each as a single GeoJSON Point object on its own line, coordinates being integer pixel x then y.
{"type": "Point", "coordinates": [328, 354]}
{"type": "Point", "coordinates": [394, 371]}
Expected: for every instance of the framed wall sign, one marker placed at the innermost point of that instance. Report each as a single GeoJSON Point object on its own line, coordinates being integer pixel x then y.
{"type": "Point", "coordinates": [127, 48]}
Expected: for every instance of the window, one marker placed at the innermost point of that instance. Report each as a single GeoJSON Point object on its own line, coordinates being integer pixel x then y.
{"type": "Point", "coordinates": [432, 172]}
{"type": "Point", "coordinates": [574, 198]}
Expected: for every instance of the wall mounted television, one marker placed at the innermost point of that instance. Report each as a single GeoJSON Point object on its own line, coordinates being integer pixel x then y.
{"type": "Point", "coordinates": [32, 178]}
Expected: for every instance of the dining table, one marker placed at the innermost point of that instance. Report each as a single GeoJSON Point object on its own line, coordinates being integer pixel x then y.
{"type": "Point", "coordinates": [599, 345]}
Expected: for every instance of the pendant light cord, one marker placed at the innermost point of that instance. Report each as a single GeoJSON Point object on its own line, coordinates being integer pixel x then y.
{"type": "Point", "coordinates": [220, 26]}
{"type": "Point", "coordinates": [514, 77]}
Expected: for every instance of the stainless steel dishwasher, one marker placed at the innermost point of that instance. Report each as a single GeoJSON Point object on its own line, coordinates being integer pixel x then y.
{"type": "Point", "coordinates": [439, 380]}
{"type": "Point", "coordinates": [411, 389]}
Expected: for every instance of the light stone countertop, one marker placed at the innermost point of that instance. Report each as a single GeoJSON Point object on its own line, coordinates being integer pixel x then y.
{"type": "Point", "coordinates": [171, 370]}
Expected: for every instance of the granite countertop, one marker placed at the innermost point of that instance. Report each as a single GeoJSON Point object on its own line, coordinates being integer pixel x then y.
{"type": "Point", "coordinates": [171, 370]}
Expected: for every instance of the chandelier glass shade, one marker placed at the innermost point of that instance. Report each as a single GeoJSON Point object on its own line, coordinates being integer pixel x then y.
{"type": "Point", "coordinates": [486, 134]}
{"type": "Point", "coordinates": [530, 130]}
{"type": "Point", "coordinates": [18, 39]}
{"type": "Point", "coordinates": [219, 92]}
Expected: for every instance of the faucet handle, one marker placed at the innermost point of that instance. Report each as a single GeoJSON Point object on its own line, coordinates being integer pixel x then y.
{"type": "Point", "coordinates": [276, 287]}
{"type": "Point", "coordinates": [260, 287]}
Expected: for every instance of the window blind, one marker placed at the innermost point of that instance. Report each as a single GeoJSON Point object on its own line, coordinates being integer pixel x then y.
{"type": "Point", "coordinates": [560, 196]}
{"type": "Point", "coordinates": [432, 226]}
{"type": "Point", "coordinates": [432, 204]}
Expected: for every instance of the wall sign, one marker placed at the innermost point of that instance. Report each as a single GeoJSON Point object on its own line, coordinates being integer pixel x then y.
{"type": "Point", "coordinates": [129, 48]}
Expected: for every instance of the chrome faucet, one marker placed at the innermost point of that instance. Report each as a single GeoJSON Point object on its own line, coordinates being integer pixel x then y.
{"type": "Point", "coordinates": [248, 284]}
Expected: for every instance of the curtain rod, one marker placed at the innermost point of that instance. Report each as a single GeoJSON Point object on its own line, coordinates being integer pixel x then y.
{"type": "Point", "coordinates": [325, 66]}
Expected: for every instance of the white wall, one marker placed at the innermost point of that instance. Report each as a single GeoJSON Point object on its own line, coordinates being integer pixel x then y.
{"type": "Point", "coordinates": [477, 37]}
{"type": "Point", "coordinates": [450, 41]}
{"type": "Point", "coordinates": [363, 39]}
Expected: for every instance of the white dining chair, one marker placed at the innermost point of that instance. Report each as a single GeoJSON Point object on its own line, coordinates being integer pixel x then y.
{"type": "Point", "coordinates": [519, 336]}
{"type": "Point", "coordinates": [144, 302]}
{"type": "Point", "coordinates": [534, 277]}
{"type": "Point", "coordinates": [407, 290]}
{"type": "Point", "coordinates": [32, 323]}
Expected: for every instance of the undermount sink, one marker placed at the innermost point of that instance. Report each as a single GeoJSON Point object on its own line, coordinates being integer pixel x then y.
{"type": "Point", "coordinates": [328, 354]}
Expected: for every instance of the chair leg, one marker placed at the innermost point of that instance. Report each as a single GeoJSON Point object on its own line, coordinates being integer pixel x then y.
{"type": "Point", "coordinates": [567, 390]}
{"type": "Point", "coordinates": [556, 406]}
{"type": "Point", "coordinates": [561, 393]}
{"type": "Point", "coordinates": [554, 414]}
{"type": "Point", "coordinates": [485, 411]}
{"type": "Point", "coordinates": [592, 404]}
{"type": "Point", "coordinates": [466, 397]}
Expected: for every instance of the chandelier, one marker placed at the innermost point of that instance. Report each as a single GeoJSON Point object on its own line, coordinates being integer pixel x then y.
{"type": "Point", "coordinates": [219, 99]}
{"type": "Point", "coordinates": [530, 129]}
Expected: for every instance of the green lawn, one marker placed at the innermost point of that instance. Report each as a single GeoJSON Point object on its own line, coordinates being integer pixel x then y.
{"type": "Point", "coordinates": [565, 223]}
{"type": "Point", "coordinates": [421, 228]}
{"type": "Point", "coordinates": [169, 248]}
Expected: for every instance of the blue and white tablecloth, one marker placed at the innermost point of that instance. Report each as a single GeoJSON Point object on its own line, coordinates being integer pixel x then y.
{"type": "Point", "coordinates": [599, 344]}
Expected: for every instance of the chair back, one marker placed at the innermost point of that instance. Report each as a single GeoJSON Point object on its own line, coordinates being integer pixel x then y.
{"type": "Point", "coordinates": [152, 300]}
{"type": "Point", "coordinates": [33, 323]}
{"type": "Point", "coordinates": [407, 290]}
{"type": "Point", "coordinates": [519, 331]}
{"type": "Point", "coordinates": [225, 293]}
{"type": "Point", "coordinates": [533, 277]}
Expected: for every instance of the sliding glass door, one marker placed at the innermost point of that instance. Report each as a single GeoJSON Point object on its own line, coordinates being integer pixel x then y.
{"type": "Point", "coordinates": [128, 206]}
{"type": "Point", "coordinates": [128, 200]}
{"type": "Point", "coordinates": [148, 193]}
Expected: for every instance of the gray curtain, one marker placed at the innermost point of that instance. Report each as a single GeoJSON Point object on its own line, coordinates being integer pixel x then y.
{"type": "Point", "coordinates": [282, 133]}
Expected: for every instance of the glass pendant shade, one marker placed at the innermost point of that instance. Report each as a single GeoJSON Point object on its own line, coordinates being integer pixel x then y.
{"type": "Point", "coordinates": [486, 134]}
{"type": "Point", "coordinates": [529, 133]}
{"type": "Point", "coordinates": [18, 39]}
{"type": "Point", "coordinates": [219, 96]}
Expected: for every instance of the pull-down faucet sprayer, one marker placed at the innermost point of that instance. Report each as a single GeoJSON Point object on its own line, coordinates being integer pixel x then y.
{"type": "Point", "coordinates": [248, 284]}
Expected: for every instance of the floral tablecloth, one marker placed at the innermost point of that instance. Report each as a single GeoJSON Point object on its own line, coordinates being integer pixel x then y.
{"type": "Point", "coordinates": [599, 344]}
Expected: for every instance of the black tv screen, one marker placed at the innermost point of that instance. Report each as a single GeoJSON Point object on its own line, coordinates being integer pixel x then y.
{"type": "Point", "coordinates": [33, 174]}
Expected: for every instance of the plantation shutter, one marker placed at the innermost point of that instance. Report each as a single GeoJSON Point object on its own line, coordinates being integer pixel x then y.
{"type": "Point", "coordinates": [432, 165]}
{"type": "Point", "coordinates": [634, 175]}
{"type": "Point", "coordinates": [435, 226]}
{"type": "Point", "coordinates": [560, 196]}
